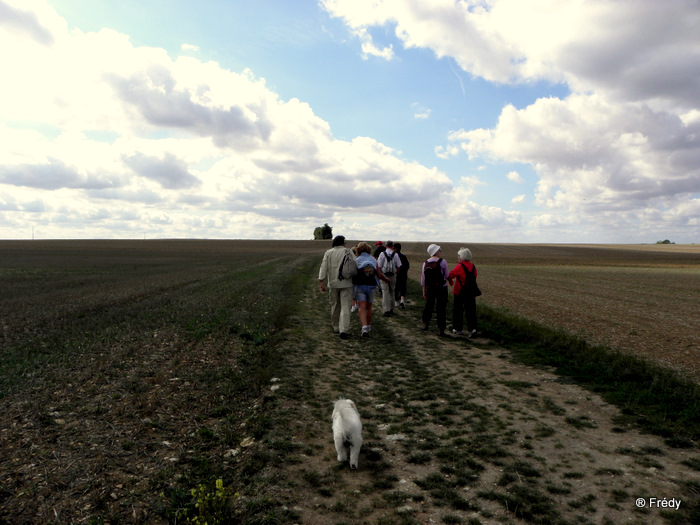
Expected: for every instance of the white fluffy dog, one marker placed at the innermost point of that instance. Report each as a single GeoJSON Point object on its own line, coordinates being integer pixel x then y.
{"type": "Point", "coordinates": [347, 430]}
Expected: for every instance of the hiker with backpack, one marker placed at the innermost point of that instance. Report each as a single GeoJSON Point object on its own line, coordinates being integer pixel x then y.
{"type": "Point", "coordinates": [379, 248]}
{"type": "Point", "coordinates": [338, 268]}
{"type": "Point", "coordinates": [401, 277]}
{"type": "Point", "coordinates": [465, 291]}
{"type": "Point", "coordinates": [365, 282]}
{"type": "Point", "coordinates": [354, 299]}
{"type": "Point", "coordinates": [388, 264]}
{"type": "Point", "coordinates": [433, 279]}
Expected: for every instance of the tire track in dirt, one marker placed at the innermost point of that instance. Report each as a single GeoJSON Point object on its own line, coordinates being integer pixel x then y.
{"type": "Point", "coordinates": [455, 432]}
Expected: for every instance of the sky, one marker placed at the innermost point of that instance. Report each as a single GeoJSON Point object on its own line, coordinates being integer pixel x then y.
{"type": "Point", "coordinates": [556, 121]}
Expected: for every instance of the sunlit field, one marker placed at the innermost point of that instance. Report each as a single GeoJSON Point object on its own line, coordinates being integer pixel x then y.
{"type": "Point", "coordinates": [640, 298]}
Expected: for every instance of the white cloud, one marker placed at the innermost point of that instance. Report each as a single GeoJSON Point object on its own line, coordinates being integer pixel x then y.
{"type": "Point", "coordinates": [514, 176]}
{"type": "Point", "coordinates": [170, 172]}
{"type": "Point", "coordinates": [190, 47]}
{"type": "Point", "coordinates": [518, 200]}
{"type": "Point", "coordinates": [200, 146]}
{"type": "Point", "coordinates": [420, 112]}
{"type": "Point", "coordinates": [32, 19]}
{"type": "Point", "coordinates": [465, 217]}
{"type": "Point", "coordinates": [370, 49]}
{"type": "Point", "coordinates": [640, 50]}
{"type": "Point", "coordinates": [447, 151]}
{"type": "Point", "coordinates": [625, 141]}
{"type": "Point", "coordinates": [592, 154]}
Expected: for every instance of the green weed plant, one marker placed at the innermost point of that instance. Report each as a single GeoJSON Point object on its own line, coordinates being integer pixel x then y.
{"type": "Point", "coordinates": [210, 506]}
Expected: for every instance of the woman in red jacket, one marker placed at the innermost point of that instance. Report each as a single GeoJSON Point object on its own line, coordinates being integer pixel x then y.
{"type": "Point", "coordinates": [465, 291]}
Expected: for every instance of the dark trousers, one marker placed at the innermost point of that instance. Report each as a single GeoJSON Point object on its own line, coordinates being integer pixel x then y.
{"type": "Point", "coordinates": [437, 300]}
{"type": "Point", "coordinates": [464, 306]}
{"type": "Point", "coordinates": [401, 284]}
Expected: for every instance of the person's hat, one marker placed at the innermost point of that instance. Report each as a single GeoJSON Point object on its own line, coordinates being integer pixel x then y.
{"type": "Point", "coordinates": [433, 249]}
{"type": "Point", "coordinates": [378, 243]}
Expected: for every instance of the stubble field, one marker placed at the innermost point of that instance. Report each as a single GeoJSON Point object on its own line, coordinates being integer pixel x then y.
{"type": "Point", "coordinates": [640, 298]}
{"type": "Point", "coordinates": [134, 371]}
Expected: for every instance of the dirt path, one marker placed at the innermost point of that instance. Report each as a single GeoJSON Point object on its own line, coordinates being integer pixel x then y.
{"type": "Point", "coordinates": [455, 432]}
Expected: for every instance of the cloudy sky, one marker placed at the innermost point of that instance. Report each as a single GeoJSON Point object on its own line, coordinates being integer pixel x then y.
{"type": "Point", "coordinates": [430, 120]}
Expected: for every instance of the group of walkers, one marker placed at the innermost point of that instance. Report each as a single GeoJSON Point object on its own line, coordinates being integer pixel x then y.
{"type": "Point", "coordinates": [354, 277]}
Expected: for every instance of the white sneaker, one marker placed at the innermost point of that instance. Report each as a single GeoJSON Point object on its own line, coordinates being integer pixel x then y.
{"type": "Point", "coordinates": [353, 309]}
{"type": "Point", "coordinates": [365, 331]}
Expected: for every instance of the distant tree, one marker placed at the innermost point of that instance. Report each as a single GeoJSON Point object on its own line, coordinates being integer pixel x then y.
{"type": "Point", "coordinates": [323, 232]}
{"type": "Point", "coordinates": [327, 231]}
{"type": "Point", "coordinates": [665, 241]}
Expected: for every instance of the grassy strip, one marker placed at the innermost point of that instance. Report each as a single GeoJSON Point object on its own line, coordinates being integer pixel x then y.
{"type": "Point", "coordinates": [659, 400]}
{"type": "Point", "coordinates": [261, 331]}
{"type": "Point", "coordinates": [264, 363]}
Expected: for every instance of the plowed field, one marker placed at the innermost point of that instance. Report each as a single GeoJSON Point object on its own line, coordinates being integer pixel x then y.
{"type": "Point", "coordinates": [643, 299]}
{"type": "Point", "coordinates": [133, 371]}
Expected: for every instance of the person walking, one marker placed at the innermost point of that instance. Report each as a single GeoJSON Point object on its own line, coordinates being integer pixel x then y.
{"type": "Point", "coordinates": [337, 269]}
{"type": "Point", "coordinates": [401, 277]}
{"type": "Point", "coordinates": [465, 292]}
{"type": "Point", "coordinates": [433, 279]}
{"type": "Point", "coordinates": [365, 285]}
{"type": "Point", "coordinates": [379, 248]}
{"type": "Point", "coordinates": [388, 263]}
{"type": "Point", "coordinates": [354, 299]}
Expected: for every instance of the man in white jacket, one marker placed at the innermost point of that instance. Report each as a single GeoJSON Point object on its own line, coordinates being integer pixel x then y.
{"type": "Point", "coordinates": [340, 290]}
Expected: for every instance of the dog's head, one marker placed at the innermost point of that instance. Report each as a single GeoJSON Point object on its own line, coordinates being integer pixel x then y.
{"type": "Point", "coordinates": [342, 403]}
